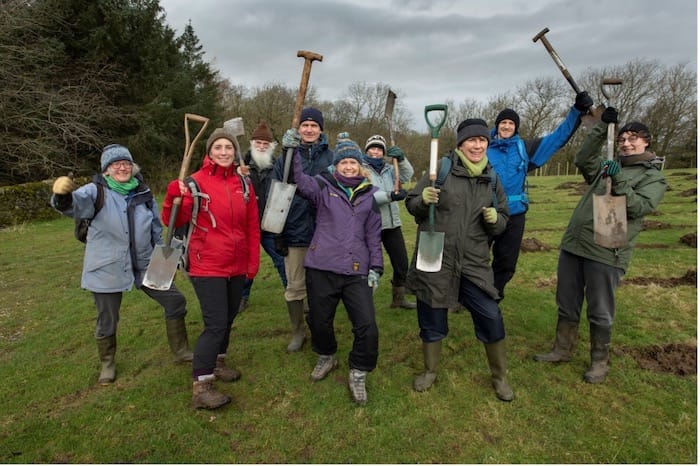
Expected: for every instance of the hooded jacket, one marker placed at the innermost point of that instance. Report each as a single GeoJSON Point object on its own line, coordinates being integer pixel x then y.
{"type": "Point", "coordinates": [226, 240]}
{"type": "Point", "coordinates": [642, 184]}
{"type": "Point", "coordinates": [300, 224]}
{"type": "Point", "coordinates": [466, 250]}
{"type": "Point", "coordinates": [384, 180]}
{"type": "Point", "coordinates": [347, 238]}
{"type": "Point", "coordinates": [514, 157]}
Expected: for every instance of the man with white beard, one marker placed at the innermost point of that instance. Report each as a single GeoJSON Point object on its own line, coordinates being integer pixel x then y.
{"type": "Point", "coordinates": [260, 160]}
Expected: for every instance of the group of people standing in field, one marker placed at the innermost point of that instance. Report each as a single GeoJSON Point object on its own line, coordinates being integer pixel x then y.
{"type": "Point", "coordinates": [346, 206]}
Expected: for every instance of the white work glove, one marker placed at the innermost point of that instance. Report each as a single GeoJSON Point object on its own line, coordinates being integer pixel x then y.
{"type": "Point", "coordinates": [490, 214]}
{"type": "Point", "coordinates": [373, 279]}
{"type": "Point", "coordinates": [64, 185]}
{"type": "Point", "coordinates": [430, 195]}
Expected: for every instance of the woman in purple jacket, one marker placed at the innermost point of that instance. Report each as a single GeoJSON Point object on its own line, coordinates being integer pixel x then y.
{"type": "Point", "coordinates": [344, 261]}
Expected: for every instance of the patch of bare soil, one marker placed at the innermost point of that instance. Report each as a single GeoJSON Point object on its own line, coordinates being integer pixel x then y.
{"type": "Point", "coordinates": [654, 225]}
{"type": "Point", "coordinates": [578, 187]}
{"type": "Point", "coordinates": [675, 358]}
{"type": "Point", "coordinates": [691, 239]}
{"type": "Point", "coordinates": [690, 279]}
{"type": "Point", "coordinates": [533, 245]}
{"type": "Point", "coordinates": [689, 192]}
{"type": "Point", "coordinates": [682, 174]}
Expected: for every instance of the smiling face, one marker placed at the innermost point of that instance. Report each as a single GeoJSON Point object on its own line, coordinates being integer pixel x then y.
{"type": "Point", "coordinates": [222, 152]}
{"type": "Point", "coordinates": [631, 143]}
{"type": "Point", "coordinates": [506, 129]}
{"type": "Point", "coordinates": [375, 152]}
{"type": "Point", "coordinates": [474, 148]}
{"type": "Point", "coordinates": [309, 131]}
{"type": "Point", "coordinates": [120, 171]}
{"type": "Point", "coordinates": [348, 167]}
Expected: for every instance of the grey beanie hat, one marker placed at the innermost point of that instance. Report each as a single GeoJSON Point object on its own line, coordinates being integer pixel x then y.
{"type": "Point", "coordinates": [472, 127]}
{"type": "Point", "coordinates": [114, 153]}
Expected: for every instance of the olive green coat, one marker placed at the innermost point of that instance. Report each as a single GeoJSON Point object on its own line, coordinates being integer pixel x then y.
{"type": "Point", "coordinates": [458, 214]}
{"type": "Point", "coordinates": [643, 185]}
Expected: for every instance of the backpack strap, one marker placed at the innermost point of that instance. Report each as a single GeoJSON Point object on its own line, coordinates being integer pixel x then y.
{"type": "Point", "coordinates": [444, 170]}
{"type": "Point", "coordinates": [200, 201]}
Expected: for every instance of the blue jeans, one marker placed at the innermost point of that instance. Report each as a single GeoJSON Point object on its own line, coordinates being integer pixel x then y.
{"type": "Point", "coordinates": [267, 241]}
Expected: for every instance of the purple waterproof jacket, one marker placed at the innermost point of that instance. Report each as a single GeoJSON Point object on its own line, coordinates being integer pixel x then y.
{"type": "Point", "coordinates": [347, 239]}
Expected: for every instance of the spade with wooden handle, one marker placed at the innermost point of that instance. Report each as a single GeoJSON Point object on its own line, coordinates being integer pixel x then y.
{"type": "Point", "coordinates": [389, 115]}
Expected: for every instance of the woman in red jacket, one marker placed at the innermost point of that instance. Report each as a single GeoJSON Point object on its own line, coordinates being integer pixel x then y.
{"type": "Point", "coordinates": [223, 251]}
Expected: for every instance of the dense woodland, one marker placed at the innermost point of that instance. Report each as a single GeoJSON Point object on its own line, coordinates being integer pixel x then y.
{"type": "Point", "coordinates": [78, 74]}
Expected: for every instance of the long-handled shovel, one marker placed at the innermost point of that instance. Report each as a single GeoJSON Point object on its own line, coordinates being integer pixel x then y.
{"type": "Point", "coordinates": [610, 212]}
{"type": "Point", "coordinates": [281, 194]}
{"type": "Point", "coordinates": [165, 258]}
{"type": "Point", "coordinates": [431, 242]}
{"type": "Point", "coordinates": [389, 115]}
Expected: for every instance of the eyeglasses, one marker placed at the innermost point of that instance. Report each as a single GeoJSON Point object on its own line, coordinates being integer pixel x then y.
{"type": "Point", "coordinates": [121, 165]}
{"type": "Point", "coordinates": [632, 138]}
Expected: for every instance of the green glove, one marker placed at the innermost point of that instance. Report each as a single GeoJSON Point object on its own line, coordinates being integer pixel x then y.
{"type": "Point", "coordinates": [430, 195]}
{"type": "Point", "coordinates": [610, 168]}
{"type": "Point", "coordinates": [396, 152]}
{"type": "Point", "coordinates": [490, 214]}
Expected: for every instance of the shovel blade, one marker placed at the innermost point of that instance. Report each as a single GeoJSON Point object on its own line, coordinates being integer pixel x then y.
{"type": "Point", "coordinates": [430, 247]}
{"type": "Point", "coordinates": [279, 200]}
{"type": "Point", "coordinates": [164, 261]}
{"type": "Point", "coordinates": [610, 220]}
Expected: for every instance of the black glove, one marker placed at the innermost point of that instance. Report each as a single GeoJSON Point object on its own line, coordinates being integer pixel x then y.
{"type": "Point", "coordinates": [400, 196]}
{"type": "Point", "coordinates": [583, 101]}
{"type": "Point", "coordinates": [281, 246]}
{"type": "Point", "coordinates": [609, 115]}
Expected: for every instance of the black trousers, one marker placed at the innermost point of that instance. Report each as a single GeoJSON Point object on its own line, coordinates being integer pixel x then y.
{"type": "Point", "coordinates": [392, 239]}
{"type": "Point", "coordinates": [219, 298]}
{"type": "Point", "coordinates": [325, 290]}
{"type": "Point", "coordinates": [506, 250]}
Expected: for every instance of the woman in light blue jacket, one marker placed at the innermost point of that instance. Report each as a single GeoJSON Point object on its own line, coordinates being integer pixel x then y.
{"type": "Point", "coordinates": [387, 197]}
{"type": "Point", "coordinates": [124, 225]}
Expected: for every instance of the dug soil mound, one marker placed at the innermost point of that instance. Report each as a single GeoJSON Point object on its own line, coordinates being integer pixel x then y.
{"type": "Point", "coordinates": [533, 245]}
{"type": "Point", "coordinates": [675, 358]}
{"type": "Point", "coordinates": [689, 279]}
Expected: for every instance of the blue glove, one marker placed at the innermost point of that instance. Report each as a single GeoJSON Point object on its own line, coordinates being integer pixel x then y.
{"type": "Point", "coordinates": [373, 278]}
{"type": "Point", "coordinates": [396, 152]}
{"type": "Point", "coordinates": [610, 168]}
{"type": "Point", "coordinates": [291, 138]}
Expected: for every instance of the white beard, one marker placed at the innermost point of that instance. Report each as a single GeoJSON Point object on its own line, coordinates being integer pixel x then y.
{"type": "Point", "coordinates": [263, 159]}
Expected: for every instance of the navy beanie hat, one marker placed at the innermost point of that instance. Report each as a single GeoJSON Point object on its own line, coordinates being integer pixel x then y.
{"type": "Point", "coordinates": [312, 114]}
{"type": "Point", "coordinates": [114, 153]}
{"type": "Point", "coordinates": [470, 128]}
{"type": "Point", "coordinates": [508, 114]}
{"type": "Point", "coordinates": [346, 148]}
{"type": "Point", "coordinates": [635, 127]}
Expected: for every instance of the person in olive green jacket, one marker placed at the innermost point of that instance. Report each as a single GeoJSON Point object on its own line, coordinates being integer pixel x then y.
{"type": "Point", "coordinates": [588, 270]}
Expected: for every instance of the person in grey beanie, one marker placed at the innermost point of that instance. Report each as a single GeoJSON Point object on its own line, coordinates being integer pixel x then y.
{"type": "Point", "coordinates": [120, 239]}
{"type": "Point", "coordinates": [470, 207]}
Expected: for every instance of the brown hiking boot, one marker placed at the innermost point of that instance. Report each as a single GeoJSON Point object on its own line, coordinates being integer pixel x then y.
{"type": "Point", "coordinates": [205, 396]}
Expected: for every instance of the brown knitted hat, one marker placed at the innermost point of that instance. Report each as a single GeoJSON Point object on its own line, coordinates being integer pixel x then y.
{"type": "Point", "coordinates": [219, 133]}
{"type": "Point", "coordinates": [262, 132]}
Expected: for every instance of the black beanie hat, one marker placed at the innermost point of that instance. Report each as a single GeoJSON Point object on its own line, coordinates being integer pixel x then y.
{"type": "Point", "coordinates": [508, 114]}
{"type": "Point", "coordinates": [472, 127]}
{"type": "Point", "coordinates": [635, 127]}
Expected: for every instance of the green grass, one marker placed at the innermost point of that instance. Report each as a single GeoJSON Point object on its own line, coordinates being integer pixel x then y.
{"type": "Point", "coordinates": [53, 412]}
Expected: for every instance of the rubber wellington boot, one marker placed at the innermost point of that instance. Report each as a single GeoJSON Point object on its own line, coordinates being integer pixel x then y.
{"type": "Point", "coordinates": [496, 355]}
{"type": "Point", "coordinates": [177, 339]}
{"type": "Point", "coordinates": [223, 372]}
{"type": "Point", "coordinates": [564, 343]}
{"type": "Point", "coordinates": [398, 298]}
{"type": "Point", "coordinates": [600, 353]}
{"type": "Point", "coordinates": [431, 359]}
{"type": "Point", "coordinates": [296, 318]}
{"type": "Point", "coordinates": [205, 396]}
{"type": "Point", "coordinates": [107, 348]}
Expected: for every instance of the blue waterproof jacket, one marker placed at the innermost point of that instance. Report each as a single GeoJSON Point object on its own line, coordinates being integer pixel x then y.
{"type": "Point", "coordinates": [514, 157]}
{"type": "Point", "coordinates": [316, 158]}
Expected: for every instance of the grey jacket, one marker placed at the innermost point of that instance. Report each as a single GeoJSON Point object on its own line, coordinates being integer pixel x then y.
{"type": "Point", "coordinates": [385, 182]}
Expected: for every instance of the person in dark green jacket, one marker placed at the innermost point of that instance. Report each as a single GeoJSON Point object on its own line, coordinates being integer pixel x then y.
{"type": "Point", "coordinates": [470, 207]}
{"type": "Point", "coordinates": [587, 269]}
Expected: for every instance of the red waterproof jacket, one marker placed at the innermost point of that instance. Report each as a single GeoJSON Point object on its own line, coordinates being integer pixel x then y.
{"type": "Point", "coordinates": [226, 239]}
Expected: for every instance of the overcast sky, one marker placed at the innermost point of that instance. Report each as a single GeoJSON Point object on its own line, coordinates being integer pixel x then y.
{"type": "Point", "coordinates": [429, 51]}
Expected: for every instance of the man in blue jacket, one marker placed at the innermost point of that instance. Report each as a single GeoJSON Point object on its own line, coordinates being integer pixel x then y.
{"type": "Point", "coordinates": [513, 157]}
{"type": "Point", "coordinates": [298, 230]}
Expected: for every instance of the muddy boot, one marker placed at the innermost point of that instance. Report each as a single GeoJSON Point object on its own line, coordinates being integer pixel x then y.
{"type": "Point", "coordinates": [205, 396]}
{"type": "Point", "coordinates": [496, 355]}
{"type": "Point", "coordinates": [600, 353]}
{"type": "Point", "coordinates": [398, 298]}
{"type": "Point", "coordinates": [296, 318]}
{"type": "Point", "coordinates": [107, 348]}
{"type": "Point", "coordinates": [177, 339]}
{"type": "Point", "coordinates": [431, 359]}
{"type": "Point", "coordinates": [325, 364]}
{"type": "Point", "coordinates": [223, 372]}
{"type": "Point", "coordinates": [564, 343]}
{"type": "Point", "coordinates": [357, 383]}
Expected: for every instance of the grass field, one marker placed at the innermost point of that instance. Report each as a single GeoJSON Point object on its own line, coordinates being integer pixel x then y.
{"type": "Point", "coordinates": [53, 411]}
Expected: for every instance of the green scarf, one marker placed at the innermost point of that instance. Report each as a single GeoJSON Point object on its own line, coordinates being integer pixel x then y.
{"type": "Point", "coordinates": [473, 169]}
{"type": "Point", "coordinates": [121, 188]}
